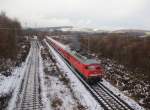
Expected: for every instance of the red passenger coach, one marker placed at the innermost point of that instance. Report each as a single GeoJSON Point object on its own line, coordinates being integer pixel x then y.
{"type": "Point", "coordinates": [90, 69]}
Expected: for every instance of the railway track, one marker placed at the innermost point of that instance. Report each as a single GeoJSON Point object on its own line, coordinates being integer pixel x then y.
{"type": "Point", "coordinates": [29, 97]}
{"type": "Point", "coordinates": [107, 99]}
{"type": "Point", "coordinates": [111, 101]}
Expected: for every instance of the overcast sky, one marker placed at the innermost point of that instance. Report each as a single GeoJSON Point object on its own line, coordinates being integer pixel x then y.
{"type": "Point", "coordinates": [103, 14]}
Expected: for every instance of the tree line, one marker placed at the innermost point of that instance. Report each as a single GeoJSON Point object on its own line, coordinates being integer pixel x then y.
{"type": "Point", "coordinates": [10, 29]}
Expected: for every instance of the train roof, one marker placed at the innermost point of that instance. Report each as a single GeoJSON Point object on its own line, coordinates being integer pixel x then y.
{"type": "Point", "coordinates": [58, 43]}
{"type": "Point", "coordinates": [83, 59]}
{"type": "Point", "coordinates": [91, 61]}
{"type": "Point", "coordinates": [78, 56]}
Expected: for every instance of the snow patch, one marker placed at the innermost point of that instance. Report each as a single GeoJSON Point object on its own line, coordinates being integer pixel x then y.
{"type": "Point", "coordinates": [43, 88]}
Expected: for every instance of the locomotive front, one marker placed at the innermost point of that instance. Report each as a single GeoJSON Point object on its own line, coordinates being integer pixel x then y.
{"type": "Point", "coordinates": [93, 70]}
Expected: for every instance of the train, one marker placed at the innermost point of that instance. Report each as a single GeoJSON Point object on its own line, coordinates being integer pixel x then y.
{"type": "Point", "coordinates": [89, 69]}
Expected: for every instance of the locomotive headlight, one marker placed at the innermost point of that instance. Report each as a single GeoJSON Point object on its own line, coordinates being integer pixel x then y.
{"type": "Point", "coordinates": [91, 67]}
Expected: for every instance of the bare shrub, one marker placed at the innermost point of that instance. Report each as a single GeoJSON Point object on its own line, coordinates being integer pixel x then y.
{"type": "Point", "coordinates": [56, 102]}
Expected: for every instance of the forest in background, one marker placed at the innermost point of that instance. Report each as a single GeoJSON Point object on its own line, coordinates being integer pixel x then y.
{"type": "Point", "coordinates": [10, 29]}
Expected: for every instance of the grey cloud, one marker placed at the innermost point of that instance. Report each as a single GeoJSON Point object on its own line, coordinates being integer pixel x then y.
{"type": "Point", "coordinates": [88, 13]}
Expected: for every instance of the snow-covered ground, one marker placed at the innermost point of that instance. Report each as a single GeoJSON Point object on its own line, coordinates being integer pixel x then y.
{"type": "Point", "coordinates": [58, 93]}
{"type": "Point", "coordinates": [11, 70]}
{"type": "Point", "coordinates": [9, 85]}
{"type": "Point", "coordinates": [16, 81]}
{"type": "Point", "coordinates": [76, 90]}
{"type": "Point", "coordinates": [45, 100]}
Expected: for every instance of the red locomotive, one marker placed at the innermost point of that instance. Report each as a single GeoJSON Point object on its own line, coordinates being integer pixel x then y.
{"type": "Point", "coordinates": [90, 69]}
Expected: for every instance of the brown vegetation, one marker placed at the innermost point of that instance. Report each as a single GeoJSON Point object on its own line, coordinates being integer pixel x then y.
{"type": "Point", "coordinates": [56, 102]}
{"type": "Point", "coordinates": [9, 30]}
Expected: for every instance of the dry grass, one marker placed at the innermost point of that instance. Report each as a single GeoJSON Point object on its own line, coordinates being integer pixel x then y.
{"type": "Point", "coordinates": [56, 102]}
